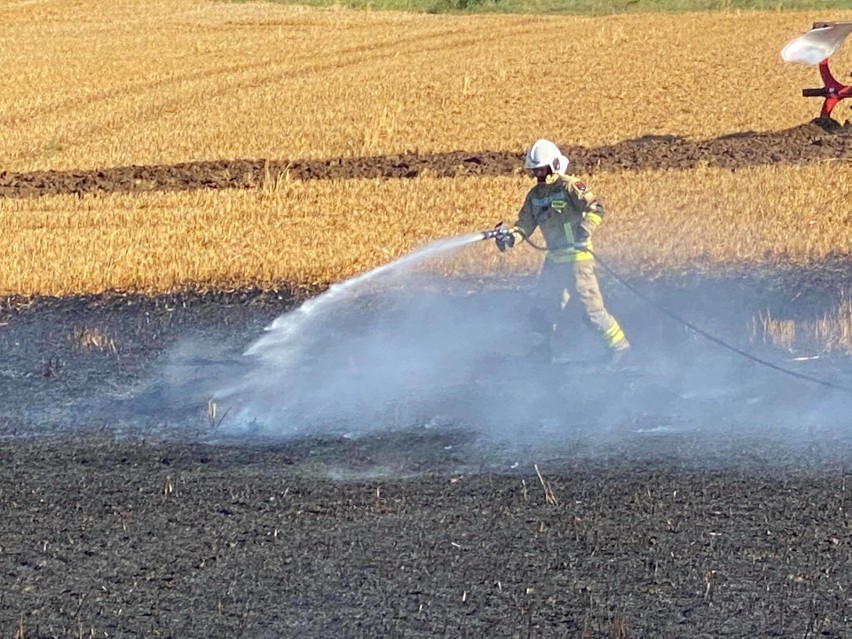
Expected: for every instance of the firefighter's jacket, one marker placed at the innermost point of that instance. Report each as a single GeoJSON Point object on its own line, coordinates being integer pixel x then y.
{"type": "Point", "coordinates": [566, 211]}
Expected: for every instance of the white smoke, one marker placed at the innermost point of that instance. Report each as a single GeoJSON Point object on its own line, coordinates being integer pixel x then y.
{"type": "Point", "coordinates": [387, 351]}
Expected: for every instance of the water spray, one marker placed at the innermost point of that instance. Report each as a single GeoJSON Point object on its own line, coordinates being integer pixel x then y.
{"type": "Point", "coordinates": [285, 328]}
{"type": "Point", "coordinates": [299, 343]}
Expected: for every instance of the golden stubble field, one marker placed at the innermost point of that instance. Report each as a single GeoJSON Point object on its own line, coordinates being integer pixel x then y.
{"type": "Point", "coordinates": [89, 84]}
{"type": "Point", "coordinates": [92, 85]}
{"type": "Point", "coordinates": [315, 232]}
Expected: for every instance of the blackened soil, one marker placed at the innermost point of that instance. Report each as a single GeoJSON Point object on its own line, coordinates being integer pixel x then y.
{"type": "Point", "coordinates": [132, 539]}
{"type": "Point", "coordinates": [149, 532]}
{"type": "Point", "coordinates": [821, 139]}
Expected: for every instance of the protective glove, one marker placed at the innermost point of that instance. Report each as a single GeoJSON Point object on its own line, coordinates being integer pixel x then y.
{"type": "Point", "coordinates": [504, 238]}
{"type": "Point", "coordinates": [504, 241]}
{"type": "Point", "coordinates": [581, 240]}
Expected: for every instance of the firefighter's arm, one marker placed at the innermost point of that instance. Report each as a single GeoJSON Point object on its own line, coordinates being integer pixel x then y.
{"type": "Point", "coordinates": [592, 218]}
{"type": "Point", "coordinates": [592, 207]}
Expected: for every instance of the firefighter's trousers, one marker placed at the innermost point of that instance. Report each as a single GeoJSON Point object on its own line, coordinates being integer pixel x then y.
{"type": "Point", "coordinates": [571, 289]}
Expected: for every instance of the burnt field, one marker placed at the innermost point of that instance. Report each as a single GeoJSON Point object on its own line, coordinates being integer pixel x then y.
{"type": "Point", "coordinates": [128, 511]}
{"type": "Point", "coordinates": [694, 494]}
{"type": "Point", "coordinates": [132, 538]}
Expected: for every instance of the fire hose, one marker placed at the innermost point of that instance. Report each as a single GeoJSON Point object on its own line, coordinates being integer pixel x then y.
{"type": "Point", "coordinates": [505, 237]}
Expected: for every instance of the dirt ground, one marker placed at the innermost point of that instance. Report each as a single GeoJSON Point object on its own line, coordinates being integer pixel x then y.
{"type": "Point", "coordinates": [817, 140]}
{"type": "Point", "coordinates": [714, 500]}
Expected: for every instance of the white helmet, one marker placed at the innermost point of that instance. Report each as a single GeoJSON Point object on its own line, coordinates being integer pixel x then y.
{"type": "Point", "coordinates": [546, 153]}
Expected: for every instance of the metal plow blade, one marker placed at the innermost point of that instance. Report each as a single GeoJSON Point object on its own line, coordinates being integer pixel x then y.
{"type": "Point", "coordinates": [817, 44]}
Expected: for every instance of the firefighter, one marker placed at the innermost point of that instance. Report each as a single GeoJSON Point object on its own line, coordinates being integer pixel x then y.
{"type": "Point", "coordinates": [567, 213]}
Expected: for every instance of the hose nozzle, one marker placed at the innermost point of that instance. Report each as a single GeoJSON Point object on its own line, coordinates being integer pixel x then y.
{"type": "Point", "coordinates": [502, 236]}
{"type": "Point", "coordinates": [501, 231]}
